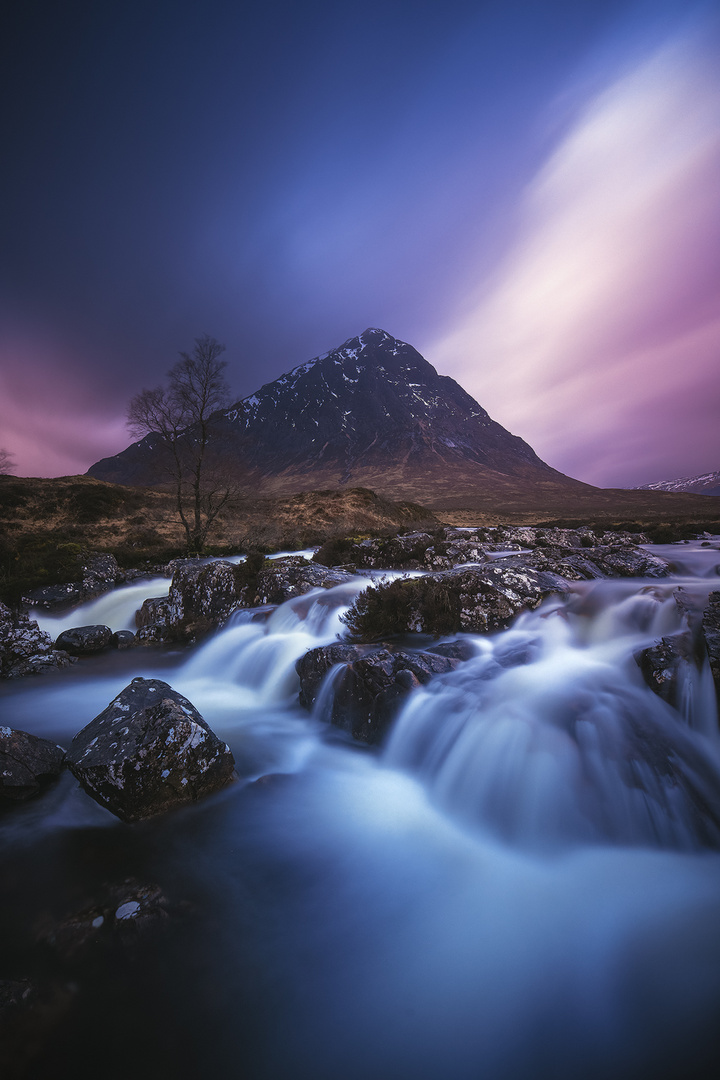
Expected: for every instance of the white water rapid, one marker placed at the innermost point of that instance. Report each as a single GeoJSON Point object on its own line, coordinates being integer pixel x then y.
{"type": "Point", "coordinates": [523, 883]}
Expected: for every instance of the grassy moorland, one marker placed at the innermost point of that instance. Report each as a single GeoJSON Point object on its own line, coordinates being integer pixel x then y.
{"type": "Point", "coordinates": [45, 524]}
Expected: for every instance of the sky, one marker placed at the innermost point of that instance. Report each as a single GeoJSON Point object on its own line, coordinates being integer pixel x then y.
{"type": "Point", "coordinates": [527, 192]}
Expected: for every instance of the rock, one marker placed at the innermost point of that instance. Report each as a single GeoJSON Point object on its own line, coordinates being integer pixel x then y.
{"type": "Point", "coordinates": [473, 599]}
{"type": "Point", "coordinates": [456, 650]}
{"type": "Point", "coordinates": [27, 764]}
{"type": "Point", "coordinates": [149, 751]}
{"type": "Point", "coordinates": [368, 685]}
{"type": "Point", "coordinates": [711, 636]}
{"type": "Point", "coordinates": [123, 639]}
{"type": "Point", "coordinates": [625, 560]}
{"type": "Point", "coordinates": [660, 664]}
{"type": "Point", "coordinates": [203, 595]}
{"type": "Point", "coordinates": [84, 640]}
{"type": "Point", "coordinates": [282, 579]}
{"type": "Point", "coordinates": [314, 665]}
{"type": "Point", "coordinates": [56, 597]}
{"type": "Point", "coordinates": [122, 912]}
{"type": "Point", "coordinates": [578, 565]}
{"type": "Point", "coordinates": [571, 564]}
{"type": "Point", "coordinates": [25, 649]}
{"type": "Point", "coordinates": [98, 572]}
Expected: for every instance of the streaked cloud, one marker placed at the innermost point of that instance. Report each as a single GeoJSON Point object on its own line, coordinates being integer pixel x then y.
{"type": "Point", "coordinates": [598, 337]}
{"type": "Point", "coordinates": [49, 412]}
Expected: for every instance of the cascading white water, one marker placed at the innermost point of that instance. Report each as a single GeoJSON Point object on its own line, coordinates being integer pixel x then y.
{"type": "Point", "coordinates": [550, 736]}
{"type": "Point", "coordinates": [518, 886]}
{"type": "Point", "coordinates": [115, 609]}
{"type": "Point", "coordinates": [252, 664]}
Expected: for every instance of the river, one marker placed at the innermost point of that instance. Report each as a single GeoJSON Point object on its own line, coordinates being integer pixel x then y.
{"type": "Point", "coordinates": [523, 882]}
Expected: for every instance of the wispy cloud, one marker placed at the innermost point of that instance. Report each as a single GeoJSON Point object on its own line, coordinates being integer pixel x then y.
{"type": "Point", "coordinates": [48, 413]}
{"type": "Point", "coordinates": [599, 336]}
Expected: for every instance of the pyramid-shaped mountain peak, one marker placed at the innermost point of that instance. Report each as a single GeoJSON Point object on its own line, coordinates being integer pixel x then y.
{"type": "Point", "coordinates": [372, 413]}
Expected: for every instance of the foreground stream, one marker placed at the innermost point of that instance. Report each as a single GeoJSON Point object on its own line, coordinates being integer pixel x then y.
{"type": "Point", "coordinates": [524, 882]}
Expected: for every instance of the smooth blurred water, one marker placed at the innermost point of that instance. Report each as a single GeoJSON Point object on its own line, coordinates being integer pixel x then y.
{"type": "Point", "coordinates": [523, 882]}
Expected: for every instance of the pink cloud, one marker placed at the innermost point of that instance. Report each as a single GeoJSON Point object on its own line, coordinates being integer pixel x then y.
{"type": "Point", "coordinates": [52, 419]}
{"type": "Point", "coordinates": [598, 338]}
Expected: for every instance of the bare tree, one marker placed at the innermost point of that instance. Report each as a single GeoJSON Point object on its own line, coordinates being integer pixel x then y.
{"type": "Point", "coordinates": [7, 462]}
{"type": "Point", "coordinates": [179, 415]}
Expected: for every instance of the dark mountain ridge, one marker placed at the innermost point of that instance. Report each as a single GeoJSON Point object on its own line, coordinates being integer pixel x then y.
{"type": "Point", "coordinates": [370, 413]}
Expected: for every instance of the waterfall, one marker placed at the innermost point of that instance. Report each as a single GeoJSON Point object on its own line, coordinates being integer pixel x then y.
{"type": "Point", "coordinates": [549, 737]}
{"type": "Point", "coordinates": [115, 609]}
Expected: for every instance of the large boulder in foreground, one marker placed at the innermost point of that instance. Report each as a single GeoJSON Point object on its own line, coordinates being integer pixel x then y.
{"type": "Point", "coordinates": [472, 599]}
{"type": "Point", "coordinates": [25, 649]}
{"type": "Point", "coordinates": [27, 764]}
{"type": "Point", "coordinates": [149, 751]}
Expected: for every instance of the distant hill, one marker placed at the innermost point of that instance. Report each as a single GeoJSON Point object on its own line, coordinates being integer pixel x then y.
{"type": "Point", "coordinates": [705, 484]}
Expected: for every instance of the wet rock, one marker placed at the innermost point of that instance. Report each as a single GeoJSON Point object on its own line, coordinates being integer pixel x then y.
{"type": "Point", "coordinates": [661, 664]}
{"type": "Point", "coordinates": [711, 637]}
{"type": "Point", "coordinates": [456, 650]}
{"type": "Point", "coordinates": [203, 595]}
{"type": "Point", "coordinates": [25, 649]}
{"type": "Point", "coordinates": [27, 764]}
{"type": "Point", "coordinates": [282, 579]}
{"type": "Point", "coordinates": [411, 551]}
{"type": "Point", "coordinates": [473, 599]}
{"type": "Point", "coordinates": [625, 560]}
{"type": "Point", "coordinates": [314, 665]}
{"type": "Point", "coordinates": [123, 639]}
{"type": "Point", "coordinates": [369, 685]}
{"type": "Point", "coordinates": [571, 564]}
{"type": "Point", "coordinates": [123, 912]}
{"type": "Point", "coordinates": [450, 548]}
{"type": "Point", "coordinates": [84, 640]}
{"type": "Point", "coordinates": [100, 572]}
{"type": "Point", "coordinates": [149, 751]}
{"type": "Point", "coordinates": [582, 564]}
{"type": "Point", "coordinates": [97, 573]}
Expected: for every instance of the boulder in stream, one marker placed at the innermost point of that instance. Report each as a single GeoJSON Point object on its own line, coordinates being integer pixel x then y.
{"type": "Point", "coordinates": [662, 662]}
{"type": "Point", "coordinates": [473, 599]}
{"type": "Point", "coordinates": [27, 764]}
{"type": "Point", "coordinates": [711, 635]}
{"type": "Point", "coordinates": [25, 649]}
{"type": "Point", "coordinates": [97, 573]}
{"type": "Point", "coordinates": [149, 751]}
{"type": "Point", "coordinates": [203, 595]}
{"type": "Point", "coordinates": [369, 684]}
{"type": "Point", "coordinates": [84, 640]}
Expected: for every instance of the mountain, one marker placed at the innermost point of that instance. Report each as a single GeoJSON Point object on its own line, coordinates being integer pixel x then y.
{"type": "Point", "coordinates": [371, 413]}
{"type": "Point", "coordinates": [705, 484]}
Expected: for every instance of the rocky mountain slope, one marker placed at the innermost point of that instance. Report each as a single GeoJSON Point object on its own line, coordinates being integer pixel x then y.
{"type": "Point", "coordinates": [704, 484]}
{"type": "Point", "coordinates": [370, 413]}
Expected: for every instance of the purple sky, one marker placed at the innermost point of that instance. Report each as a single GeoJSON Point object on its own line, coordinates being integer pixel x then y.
{"type": "Point", "coordinates": [528, 193]}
